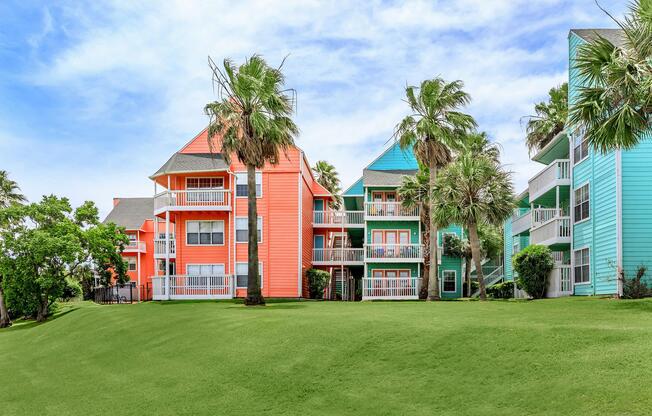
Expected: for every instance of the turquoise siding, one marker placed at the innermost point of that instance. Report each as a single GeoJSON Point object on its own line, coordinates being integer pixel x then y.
{"type": "Point", "coordinates": [455, 264]}
{"type": "Point", "coordinates": [356, 189]}
{"type": "Point", "coordinates": [413, 226]}
{"type": "Point", "coordinates": [508, 245]}
{"type": "Point", "coordinates": [413, 267]}
{"type": "Point", "coordinates": [395, 158]}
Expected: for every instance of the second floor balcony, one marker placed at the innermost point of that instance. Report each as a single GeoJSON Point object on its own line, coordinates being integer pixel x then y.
{"type": "Point", "coordinates": [390, 211]}
{"type": "Point", "coordinates": [521, 222]}
{"type": "Point", "coordinates": [347, 219]}
{"type": "Point", "coordinates": [394, 253]}
{"type": "Point", "coordinates": [555, 174]}
{"type": "Point", "coordinates": [193, 200]}
{"type": "Point", "coordinates": [336, 256]}
{"type": "Point", "coordinates": [135, 246]}
{"type": "Point", "coordinates": [159, 248]}
{"type": "Point", "coordinates": [556, 230]}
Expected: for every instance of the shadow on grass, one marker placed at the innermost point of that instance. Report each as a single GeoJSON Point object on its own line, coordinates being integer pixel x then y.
{"type": "Point", "coordinates": [642, 305]}
{"type": "Point", "coordinates": [22, 324]}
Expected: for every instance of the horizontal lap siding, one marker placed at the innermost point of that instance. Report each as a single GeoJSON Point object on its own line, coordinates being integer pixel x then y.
{"type": "Point", "coordinates": [192, 254]}
{"type": "Point", "coordinates": [508, 246]}
{"type": "Point", "coordinates": [413, 267]}
{"type": "Point", "coordinates": [413, 226]}
{"type": "Point", "coordinates": [307, 205]}
{"type": "Point", "coordinates": [455, 264]}
{"type": "Point", "coordinates": [604, 224]}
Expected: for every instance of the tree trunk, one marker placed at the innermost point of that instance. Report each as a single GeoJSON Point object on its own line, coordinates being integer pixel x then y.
{"type": "Point", "coordinates": [254, 295]}
{"type": "Point", "coordinates": [467, 275]}
{"type": "Point", "coordinates": [425, 220]}
{"type": "Point", "coordinates": [433, 280]}
{"type": "Point", "coordinates": [5, 321]}
{"type": "Point", "coordinates": [42, 309]}
{"type": "Point", "coordinates": [475, 252]}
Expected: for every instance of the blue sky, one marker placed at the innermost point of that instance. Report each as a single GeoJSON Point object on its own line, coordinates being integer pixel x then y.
{"type": "Point", "coordinates": [95, 96]}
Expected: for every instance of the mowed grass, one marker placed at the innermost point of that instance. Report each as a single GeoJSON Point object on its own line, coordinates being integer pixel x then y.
{"type": "Point", "coordinates": [552, 357]}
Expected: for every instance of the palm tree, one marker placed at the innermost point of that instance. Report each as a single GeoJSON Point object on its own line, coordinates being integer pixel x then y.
{"type": "Point", "coordinates": [9, 195]}
{"type": "Point", "coordinates": [614, 104]}
{"type": "Point", "coordinates": [434, 131]}
{"type": "Point", "coordinates": [473, 191]}
{"type": "Point", "coordinates": [251, 120]}
{"type": "Point", "coordinates": [548, 120]}
{"type": "Point", "coordinates": [328, 177]}
{"type": "Point", "coordinates": [414, 192]}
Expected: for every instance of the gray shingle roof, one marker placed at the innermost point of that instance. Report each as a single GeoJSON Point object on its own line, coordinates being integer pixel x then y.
{"type": "Point", "coordinates": [372, 177]}
{"type": "Point", "coordinates": [131, 213]}
{"type": "Point", "coordinates": [192, 162]}
{"type": "Point", "coordinates": [614, 36]}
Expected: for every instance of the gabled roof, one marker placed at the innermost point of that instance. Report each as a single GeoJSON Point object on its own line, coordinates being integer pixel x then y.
{"type": "Point", "coordinates": [394, 158]}
{"type": "Point", "coordinates": [615, 36]}
{"type": "Point", "coordinates": [356, 189]}
{"type": "Point", "coordinates": [371, 177]}
{"type": "Point", "coordinates": [131, 213]}
{"type": "Point", "coordinates": [319, 190]}
{"type": "Point", "coordinates": [192, 162]}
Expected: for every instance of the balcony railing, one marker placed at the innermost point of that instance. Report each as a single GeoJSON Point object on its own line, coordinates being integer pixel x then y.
{"type": "Point", "coordinates": [521, 223]}
{"type": "Point", "coordinates": [556, 173]}
{"type": "Point", "coordinates": [338, 218]}
{"type": "Point", "coordinates": [390, 288]}
{"type": "Point", "coordinates": [555, 231]}
{"type": "Point", "coordinates": [390, 210]}
{"type": "Point", "coordinates": [159, 248]}
{"type": "Point", "coordinates": [559, 282]}
{"type": "Point", "coordinates": [135, 247]}
{"type": "Point", "coordinates": [541, 216]}
{"type": "Point", "coordinates": [337, 255]}
{"type": "Point", "coordinates": [193, 287]}
{"type": "Point", "coordinates": [193, 200]}
{"type": "Point", "coordinates": [393, 252]}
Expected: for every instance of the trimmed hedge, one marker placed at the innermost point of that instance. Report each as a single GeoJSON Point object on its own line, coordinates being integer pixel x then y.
{"type": "Point", "coordinates": [533, 265]}
{"type": "Point", "coordinates": [504, 290]}
{"type": "Point", "coordinates": [317, 282]}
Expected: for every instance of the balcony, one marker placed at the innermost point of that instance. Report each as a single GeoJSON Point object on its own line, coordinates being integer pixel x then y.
{"type": "Point", "coordinates": [193, 287]}
{"type": "Point", "coordinates": [390, 288]}
{"type": "Point", "coordinates": [338, 256]}
{"type": "Point", "coordinates": [555, 174]}
{"type": "Point", "coordinates": [135, 246]}
{"type": "Point", "coordinates": [193, 200]}
{"type": "Point", "coordinates": [330, 219]}
{"type": "Point", "coordinates": [159, 248]}
{"type": "Point", "coordinates": [393, 253]}
{"type": "Point", "coordinates": [521, 222]}
{"type": "Point", "coordinates": [556, 230]}
{"type": "Point", "coordinates": [387, 211]}
{"type": "Point", "coordinates": [560, 282]}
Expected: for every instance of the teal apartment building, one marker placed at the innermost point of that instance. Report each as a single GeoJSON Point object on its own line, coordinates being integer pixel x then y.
{"type": "Point", "coordinates": [376, 241]}
{"type": "Point", "coordinates": [593, 210]}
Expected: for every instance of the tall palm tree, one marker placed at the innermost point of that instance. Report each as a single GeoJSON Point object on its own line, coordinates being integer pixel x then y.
{"type": "Point", "coordinates": [9, 195]}
{"type": "Point", "coordinates": [434, 130]}
{"type": "Point", "coordinates": [414, 192]}
{"type": "Point", "coordinates": [328, 177]}
{"type": "Point", "coordinates": [614, 104]}
{"type": "Point", "coordinates": [251, 120]}
{"type": "Point", "coordinates": [548, 120]}
{"type": "Point", "coordinates": [473, 191]}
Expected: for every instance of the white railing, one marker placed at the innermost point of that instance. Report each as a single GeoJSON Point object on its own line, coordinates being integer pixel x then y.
{"type": "Point", "coordinates": [558, 257]}
{"type": "Point", "coordinates": [521, 223]}
{"type": "Point", "coordinates": [551, 232]}
{"type": "Point", "coordinates": [390, 288]}
{"type": "Point", "coordinates": [390, 210]}
{"type": "Point", "coordinates": [494, 276]}
{"type": "Point", "coordinates": [338, 218]}
{"type": "Point", "coordinates": [559, 282]}
{"type": "Point", "coordinates": [194, 287]}
{"type": "Point", "coordinates": [542, 215]}
{"type": "Point", "coordinates": [159, 247]}
{"type": "Point", "coordinates": [393, 252]}
{"type": "Point", "coordinates": [135, 247]}
{"type": "Point", "coordinates": [338, 255]}
{"type": "Point", "coordinates": [549, 177]}
{"type": "Point", "coordinates": [218, 199]}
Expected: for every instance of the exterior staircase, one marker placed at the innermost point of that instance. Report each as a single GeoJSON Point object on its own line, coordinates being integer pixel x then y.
{"type": "Point", "coordinates": [491, 279]}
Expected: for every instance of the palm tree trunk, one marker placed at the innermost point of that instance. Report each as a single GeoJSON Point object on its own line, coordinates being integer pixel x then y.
{"type": "Point", "coordinates": [433, 281]}
{"type": "Point", "coordinates": [467, 275]}
{"type": "Point", "coordinates": [254, 295]}
{"type": "Point", "coordinates": [475, 251]}
{"type": "Point", "coordinates": [425, 220]}
{"type": "Point", "coordinates": [5, 321]}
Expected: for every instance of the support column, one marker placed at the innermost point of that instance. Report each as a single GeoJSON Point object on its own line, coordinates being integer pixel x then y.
{"type": "Point", "coordinates": [167, 254]}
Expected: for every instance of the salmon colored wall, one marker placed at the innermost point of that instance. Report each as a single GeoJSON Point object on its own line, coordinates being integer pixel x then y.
{"type": "Point", "coordinates": [191, 254]}
{"type": "Point", "coordinates": [146, 265]}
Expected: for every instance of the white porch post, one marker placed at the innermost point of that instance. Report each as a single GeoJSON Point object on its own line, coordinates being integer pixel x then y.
{"type": "Point", "coordinates": [167, 247]}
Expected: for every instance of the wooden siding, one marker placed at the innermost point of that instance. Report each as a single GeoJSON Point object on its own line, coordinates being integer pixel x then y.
{"type": "Point", "coordinates": [413, 226]}
{"type": "Point", "coordinates": [394, 158]}
{"type": "Point", "coordinates": [508, 246]}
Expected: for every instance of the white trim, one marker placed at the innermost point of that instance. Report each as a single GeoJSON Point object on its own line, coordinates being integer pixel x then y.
{"type": "Point", "coordinates": [586, 183]}
{"type": "Point", "coordinates": [572, 142]}
{"type": "Point", "coordinates": [300, 229]}
{"type": "Point", "coordinates": [573, 264]}
{"type": "Point", "coordinates": [260, 235]}
{"type": "Point", "coordinates": [199, 244]}
{"type": "Point", "coordinates": [205, 177]}
{"type": "Point", "coordinates": [619, 222]}
{"type": "Point", "coordinates": [203, 264]}
{"type": "Point", "coordinates": [442, 281]}
{"type": "Point", "coordinates": [235, 188]}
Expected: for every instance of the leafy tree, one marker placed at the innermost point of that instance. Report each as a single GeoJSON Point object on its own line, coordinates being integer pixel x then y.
{"type": "Point", "coordinates": [548, 120]}
{"type": "Point", "coordinates": [434, 130]}
{"type": "Point", "coordinates": [9, 195]}
{"type": "Point", "coordinates": [317, 282]}
{"type": "Point", "coordinates": [473, 191]}
{"type": "Point", "coordinates": [414, 191]}
{"type": "Point", "coordinates": [614, 103]}
{"type": "Point", "coordinates": [328, 177]}
{"type": "Point", "coordinates": [44, 245]}
{"type": "Point", "coordinates": [533, 265]}
{"type": "Point", "coordinates": [252, 120]}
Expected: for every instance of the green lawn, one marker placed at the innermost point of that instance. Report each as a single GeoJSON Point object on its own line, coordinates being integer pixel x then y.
{"type": "Point", "coordinates": [554, 357]}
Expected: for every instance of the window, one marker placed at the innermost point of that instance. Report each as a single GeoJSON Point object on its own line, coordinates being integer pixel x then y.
{"type": "Point", "coordinates": [242, 274]}
{"type": "Point", "coordinates": [205, 232]}
{"type": "Point", "coordinates": [391, 237]}
{"type": "Point", "coordinates": [582, 268]}
{"type": "Point", "coordinates": [132, 238]}
{"type": "Point", "coordinates": [205, 269]}
{"type": "Point", "coordinates": [205, 183]}
{"type": "Point", "coordinates": [441, 242]}
{"type": "Point", "coordinates": [582, 203]}
{"type": "Point", "coordinates": [242, 230]}
{"type": "Point", "coordinates": [161, 267]}
{"type": "Point", "coordinates": [516, 248]}
{"type": "Point", "coordinates": [241, 187]}
{"type": "Point", "coordinates": [449, 281]}
{"type": "Point", "coordinates": [580, 147]}
{"type": "Point", "coordinates": [131, 264]}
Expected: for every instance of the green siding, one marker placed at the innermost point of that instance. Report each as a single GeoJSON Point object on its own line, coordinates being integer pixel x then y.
{"type": "Point", "coordinates": [455, 264]}
{"type": "Point", "coordinates": [508, 245]}
{"type": "Point", "coordinates": [413, 226]}
{"type": "Point", "coordinates": [413, 267]}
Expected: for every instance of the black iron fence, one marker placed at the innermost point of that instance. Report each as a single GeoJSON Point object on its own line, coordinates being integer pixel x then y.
{"type": "Point", "coordinates": [127, 293]}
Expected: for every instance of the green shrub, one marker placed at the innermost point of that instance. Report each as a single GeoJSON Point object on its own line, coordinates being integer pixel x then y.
{"type": "Point", "coordinates": [504, 290]}
{"type": "Point", "coordinates": [533, 265]}
{"type": "Point", "coordinates": [317, 282]}
{"type": "Point", "coordinates": [635, 288]}
{"type": "Point", "coordinates": [72, 290]}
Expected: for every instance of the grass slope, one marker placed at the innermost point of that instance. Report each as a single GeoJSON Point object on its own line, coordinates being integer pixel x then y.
{"type": "Point", "coordinates": [567, 357]}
